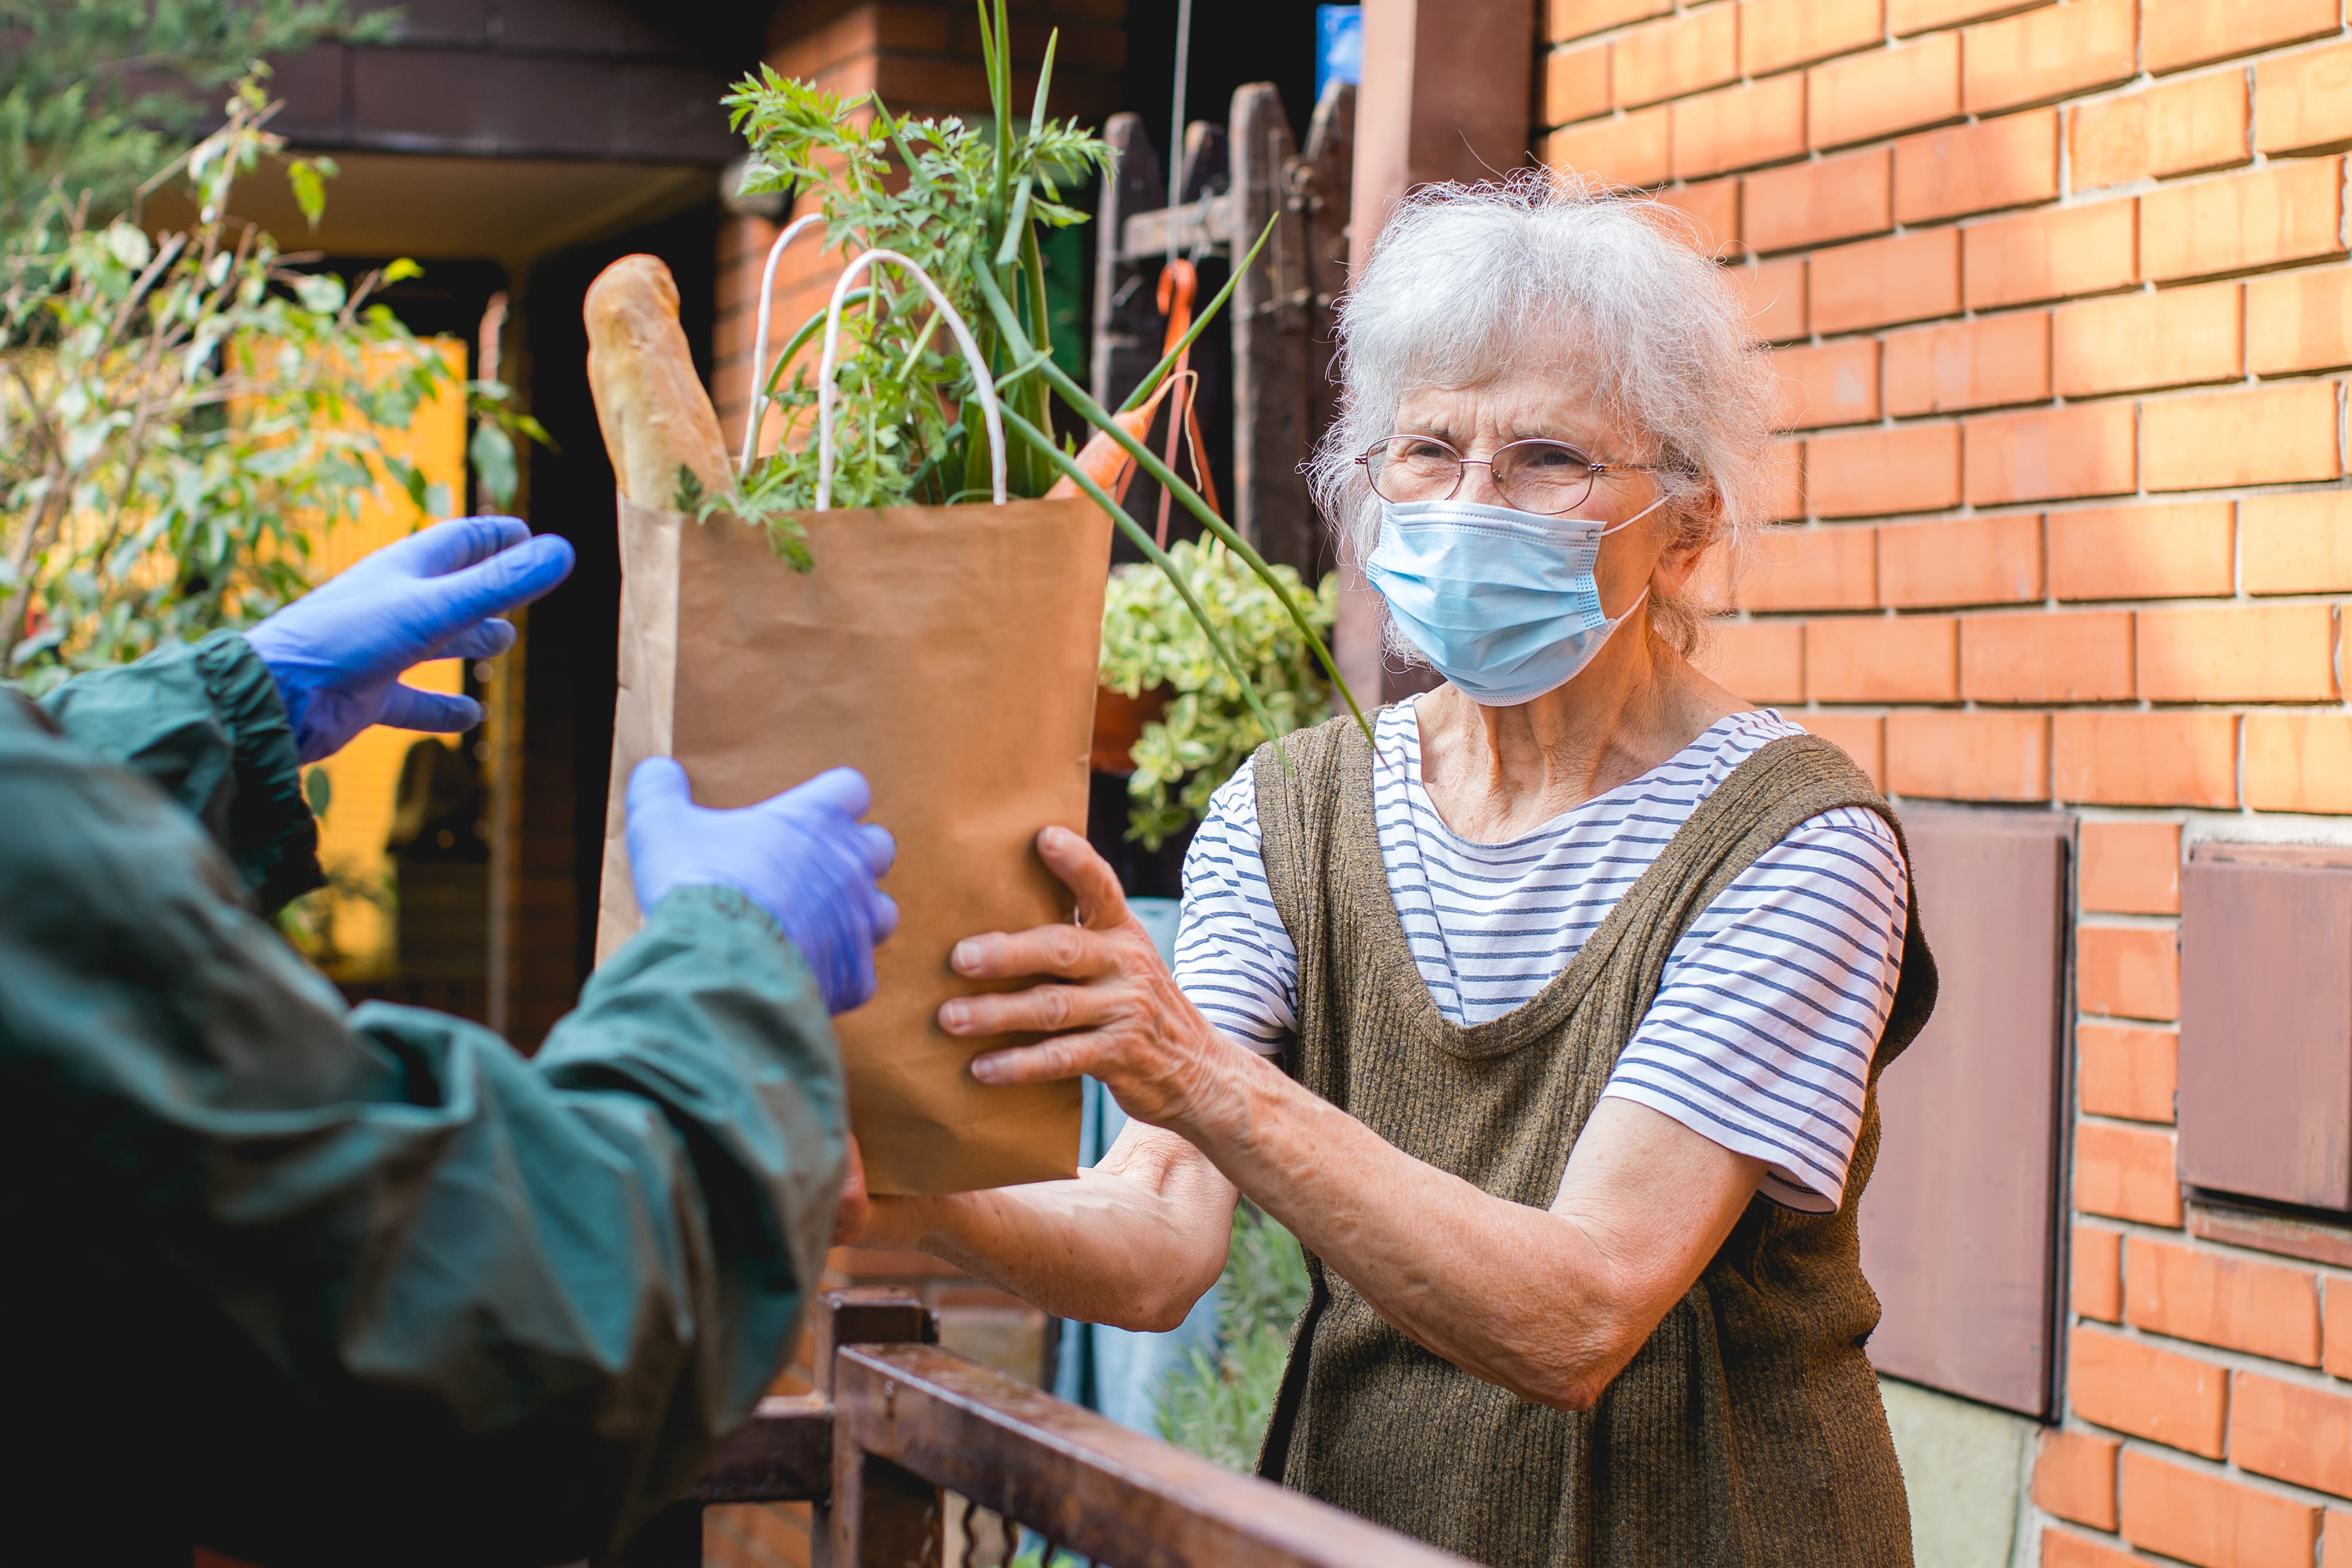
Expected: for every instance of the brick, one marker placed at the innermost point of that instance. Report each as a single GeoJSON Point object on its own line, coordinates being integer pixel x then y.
{"type": "Point", "coordinates": [2141, 552]}
{"type": "Point", "coordinates": [1776, 34]}
{"type": "Point", "coordinates": [2217, 1298]}
{"type": "Point", "coordinates": [1883, 469]}
{"type": "Point", "coordinates": [2074, 1478]}
{"type": "Point", "coordinates": [1762, 661]}
{"type": "Point", "coordinates": [2010, 162]}
{"type": "Point", "coordinates": [2127, 971]}
{"type": "Point", "coordinates": [2336, 1347]}
{"type": "Point", "coordinates": [2048, 453]}
{"type": "Point", "coordinates": [2269, 436]}
{"type": "Point", "coordinates": [1738, 128]}
{"type": "Point", "coordinates": [1905, 17]}
{"type": "Point", "coordinates": [2127, 1072]}
{"type": "Point", "coordinates": [2335, 1539]}
{"type": "Point", "coordinates": [2238, 653]}
{"type": "Point", "coordinates": [1833, 384]}
{"type": "Point", "coordinates": [2299, 320]}
{"type": "Point", "coordinates": [1984, 756]}
{"type": "Point", "coordinates": [1681, 55]}
{"type": "Point", "coordinates": [1565, 19]}
{"type": "Point", "coordinates": [2299, 762]}
{"type": "Point", "coordinates": [2177, 33]}
{"type": "Point", "coordinates": [2078, 657]}
{"type": "Point", "coordinates": [1713, 206]}
{"type": "Point", "coordinates": [2210, 1520]}
{"type": "Point", "coordinates": [1882, 659]}
{"type": "Point", "coordinates": [2095, 1274]}
{"type": "Point", "coordinates": [2304, 100]}
{"type": "Point", "coordinates": [2047, 53]}
{"type": "Point", "coordinates": [2131, 868]}
{"type": "Point", "coordinates": [1775, 291]}
{"type": "Point", "coordinates": [2165, 339]}
{"type": "Point", "coordinates": [1866, 96]}
{"type": "Point", "coordinates": [2283, 212]}
{"type": "Point", "coordinates": [2127, 1173]}
{"type": "Point", "coordinates": [1628, 150]}
{"type": "Point", "coordinates": [2033, 256]}
{"type": "Point", "coordinates": [2145, 758]}
{"type": "Point", "coordinates": [1811, 203]}
{"type": "Point", "coordinates": [1968, 364]}
{"type": "Point", "coordinates": [2136, 1387]}
{"type": "Point", "coordinates": [2175, 129]}
{"type": "Point", "coordinates": [1907, 278]}
{"type": "Point", "coordinates": [2297, 544]}
{"type": "Point", "coordinates": [1786, 478]}
{"type": "Point", "coordinates": [2292, 1432]}
{"type": "Point", "coordinates": [1810, 569]}
{"type": "Point", "coordinates": [1969, 561]}
{"type": "Point", "coordinates": [2062, 1550]}
{"type": "Point", "coordinates": [1576, 84]}
{"type": "Point", "coordinates": [1861, 736]}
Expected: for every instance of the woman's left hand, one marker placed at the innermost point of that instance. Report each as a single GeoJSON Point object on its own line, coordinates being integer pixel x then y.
{"type": "Point", "coordinates": [1117, 1015]}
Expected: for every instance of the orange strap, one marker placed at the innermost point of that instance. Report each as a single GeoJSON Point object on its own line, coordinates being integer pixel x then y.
{"type": "Point", "coordinates": [1177, 282]}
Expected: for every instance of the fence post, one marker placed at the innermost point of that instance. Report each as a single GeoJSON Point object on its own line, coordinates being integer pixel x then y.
{"type": "Point", "coordinates": [880, 1515]}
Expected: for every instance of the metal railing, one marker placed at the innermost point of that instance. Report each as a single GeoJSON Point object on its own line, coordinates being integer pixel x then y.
{"type": "Point", "coordinates": [901, 1427]}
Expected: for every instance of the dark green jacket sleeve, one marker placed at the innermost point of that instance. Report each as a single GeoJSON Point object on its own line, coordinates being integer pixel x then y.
{"type": "Point", "coordinates": [204, 723]}
{"type": "Point", "coordinates": [383, 1289]}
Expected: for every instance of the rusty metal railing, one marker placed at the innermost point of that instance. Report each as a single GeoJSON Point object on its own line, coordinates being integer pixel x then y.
{"type": "Point", "coordinates": [901, 1425]}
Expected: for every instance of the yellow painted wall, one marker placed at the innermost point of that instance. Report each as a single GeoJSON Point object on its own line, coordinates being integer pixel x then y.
{"type": "Point", "coordinates": [365, 774]}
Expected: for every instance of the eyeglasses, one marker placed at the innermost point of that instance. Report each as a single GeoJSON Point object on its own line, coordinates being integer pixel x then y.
{"type": "Point", "coordinates": [1547, 477]}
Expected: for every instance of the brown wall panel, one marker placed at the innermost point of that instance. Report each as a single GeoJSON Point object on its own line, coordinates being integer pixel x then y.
{"type": "Point", "coordinates": [1959, 1223]}
{"type": "Point", "coordinates": [2266, 1100]}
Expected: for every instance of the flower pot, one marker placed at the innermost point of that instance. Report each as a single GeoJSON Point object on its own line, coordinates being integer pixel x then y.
{"type": "Point", "coordinates": [1119, 725]}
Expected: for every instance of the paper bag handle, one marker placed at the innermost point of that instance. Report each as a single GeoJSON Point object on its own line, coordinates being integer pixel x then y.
{"type": "Point", "coordinates": [759, 399]}
{"type": "Point", "coordinates": [984, 385]}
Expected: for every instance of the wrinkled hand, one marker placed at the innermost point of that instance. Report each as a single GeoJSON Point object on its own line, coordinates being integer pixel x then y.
{"type": "Point", "coordinates": [803, 856]}
{"type": "Point", "coordinates": [852, 1216]}
{"type": "Point", "coordinates": [338, 651]}
{"type": "Point", "coordinates": [1126, 1021]}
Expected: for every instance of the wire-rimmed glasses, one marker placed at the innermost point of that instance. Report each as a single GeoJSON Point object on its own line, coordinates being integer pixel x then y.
{"type": "Point", "coordinates": [1539, 475]}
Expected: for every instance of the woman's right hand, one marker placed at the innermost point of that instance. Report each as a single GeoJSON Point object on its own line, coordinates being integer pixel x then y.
{"type": "Point", "coordinates": [1108, 1005]}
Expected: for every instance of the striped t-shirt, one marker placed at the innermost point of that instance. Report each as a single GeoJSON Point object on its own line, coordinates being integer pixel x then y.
{"type": "Point", "coordinates": [1772, 1003]}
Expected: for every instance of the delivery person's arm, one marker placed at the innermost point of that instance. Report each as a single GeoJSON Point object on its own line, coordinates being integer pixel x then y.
{"type": "Point", "coordinates": [423, 1295]}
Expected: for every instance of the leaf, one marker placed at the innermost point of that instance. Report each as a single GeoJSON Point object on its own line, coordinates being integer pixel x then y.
{"type": "Point", "coordinates": [493, 452]}
{"type": "Point", "coordinates": [401, 270]}
{"type": "Point", "coordinates": [309, 190]}
{"type": "Point", "coordinates": [318, 791]}
{"type": "Point", "coordinates": [690, 494]}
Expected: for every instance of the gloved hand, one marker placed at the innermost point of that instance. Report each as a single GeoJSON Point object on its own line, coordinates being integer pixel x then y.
{"type": "Point", "coordinates": [803, 856]}
{"type": "Point", "coordinates": [338, 651]}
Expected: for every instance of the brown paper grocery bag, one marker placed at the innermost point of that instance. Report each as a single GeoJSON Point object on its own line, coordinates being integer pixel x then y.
{"type": "Point", "coordinates": [948, 652]}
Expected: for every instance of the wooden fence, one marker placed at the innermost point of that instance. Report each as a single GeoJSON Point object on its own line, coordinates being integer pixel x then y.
{"type": "Point", "coordinates": [902, 1426]}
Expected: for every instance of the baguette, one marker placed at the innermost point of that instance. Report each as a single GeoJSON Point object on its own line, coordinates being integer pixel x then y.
{"type": "Point", "coordinates": [655, 415]}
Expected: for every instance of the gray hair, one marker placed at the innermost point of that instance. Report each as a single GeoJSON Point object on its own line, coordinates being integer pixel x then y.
{"type": "Point", "coordinates": [1448, 297]}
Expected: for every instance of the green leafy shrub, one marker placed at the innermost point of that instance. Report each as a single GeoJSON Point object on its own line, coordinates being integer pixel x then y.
{"type": "Point", "coordinates": [182, 416]}
{"type": "Point", "coordinates": [1217, 1406]}
{"type": "Point", "coordinates": [1152, 641]}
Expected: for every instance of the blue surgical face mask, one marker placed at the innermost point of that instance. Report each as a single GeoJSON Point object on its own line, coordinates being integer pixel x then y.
{"type": "Point", "coordinates": [1501, 601]}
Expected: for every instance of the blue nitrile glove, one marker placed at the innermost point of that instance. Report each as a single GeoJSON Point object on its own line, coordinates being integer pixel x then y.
{"type": "Point", "coordinates": [803, 856]}
{"type": "Point", "coordinates": [338, 651]}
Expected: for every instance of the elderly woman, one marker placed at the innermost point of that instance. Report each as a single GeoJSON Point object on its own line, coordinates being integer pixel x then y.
{"type": "Point", "coordinates": [1547, 1019]}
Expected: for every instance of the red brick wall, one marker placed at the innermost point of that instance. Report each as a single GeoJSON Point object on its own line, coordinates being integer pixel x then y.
{"type": "Point", "coordinates": [2060, 299]}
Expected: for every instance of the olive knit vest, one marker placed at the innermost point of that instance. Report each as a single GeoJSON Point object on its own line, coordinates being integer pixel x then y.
{"type": "Point", "coordinates": [1748, 1430]}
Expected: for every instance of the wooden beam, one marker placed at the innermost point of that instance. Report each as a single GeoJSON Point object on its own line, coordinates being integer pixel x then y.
{"type": "Point", "coordinates": [1089, 1484]}
{"type": "Point", "coordinates": [1272, 306]}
